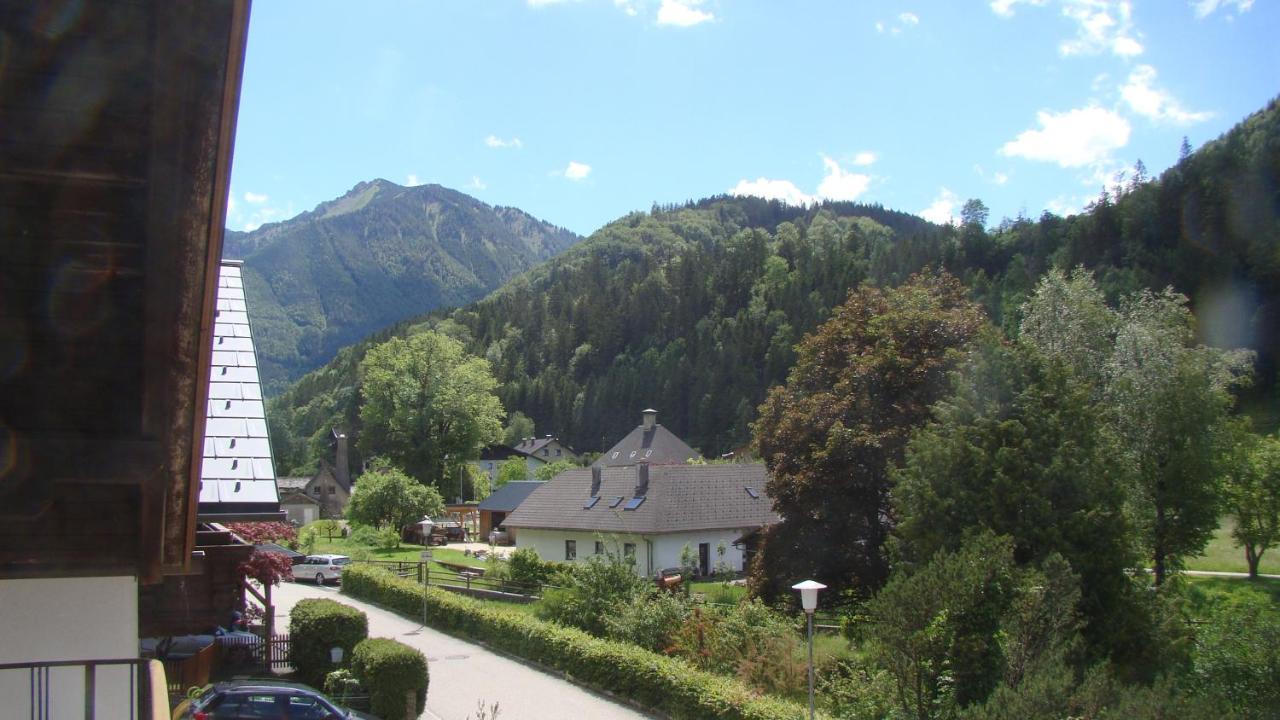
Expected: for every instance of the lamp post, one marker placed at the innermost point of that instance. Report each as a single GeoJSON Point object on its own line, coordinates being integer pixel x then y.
{"type": "Point", "coordinates": [809, 601]}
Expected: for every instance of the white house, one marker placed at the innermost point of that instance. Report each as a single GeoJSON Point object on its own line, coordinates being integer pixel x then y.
{"type": "Point", "coordinates": [650, 512]}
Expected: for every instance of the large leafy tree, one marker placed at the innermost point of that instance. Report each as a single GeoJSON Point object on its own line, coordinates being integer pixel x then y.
{"type": "Point", "coordinates": [1165, 398]}
{"type": "Point", "coordinates": [1019, 449]}
{"type": "Point", "coordinates": [1170, 401]}
{"type": "Point", "coordinates": [1253, 496]}
{"type": "Point", "coordinates": [385, 497]}
{"type": "Point", "coordinates": [862, 383]}
{"type": "Point", "coordinates": [427, 405]}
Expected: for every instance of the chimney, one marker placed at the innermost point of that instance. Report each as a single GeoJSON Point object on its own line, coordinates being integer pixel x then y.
{"type": "Point", "coordinates": [341, 461]}
{"type": "Point", "coordinates": [642, 480]}
{"type": "Point", "coordinates": [595, 480]}
{"type": "Point", "coordinates": [650, 418]}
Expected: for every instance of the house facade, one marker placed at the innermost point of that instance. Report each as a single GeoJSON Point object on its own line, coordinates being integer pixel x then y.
{"type": "Point", "coordinates": [647, 512]}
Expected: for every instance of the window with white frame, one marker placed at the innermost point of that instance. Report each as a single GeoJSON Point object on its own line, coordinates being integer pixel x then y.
{"type": "Point", "coordinates": [570, 549]}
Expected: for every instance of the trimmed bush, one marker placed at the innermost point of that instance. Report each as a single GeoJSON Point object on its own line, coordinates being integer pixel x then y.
{"type": "Point", "coordinates": [669, 685]}
{"type": "Point", "coordinates": [390, 670]}
{"type": "Point", "coordinates": [315, 626]}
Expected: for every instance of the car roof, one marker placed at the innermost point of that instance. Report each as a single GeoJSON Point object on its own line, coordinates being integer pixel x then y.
{"type": "Point", "coordinates": [327, 557]}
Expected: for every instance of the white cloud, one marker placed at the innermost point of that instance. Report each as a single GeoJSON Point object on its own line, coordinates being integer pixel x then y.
{"type": "Point", "coordinates": [545, 3]}
{"type": "Point", "coordinates": [1064, 205]}
{"type": "Point", "coordinates": [864, 158]}
{"type": "Point", "coordinates": [1076, 138]}
{"type": "Point", "coordinates": [1149, 101]}
{"type": "Point", "coordinates": [836, 184]}
{"type": "Point", "coordinates": [627, 6]}
{"type": "Point", "coordinates": [1000, 178]}
{"type": "Point", "coordinates": [942, 209]}
{"type": "Point", "coordinates": [840, 184]}
{"type": "Point", "coordinates": [255, 198]}
{"type": "Point", "coordinates": [412, 180]}
{"type": "Point", "coordinates": [231, 205]}
{"type": "Point", "coordinates": [1205, 8]}
{"type": "Point", "coordinates": [1101, 25]}
{"type": "Point", "coordinates": [577, 170]}
{"type": "Point", "coordinates": [683, 13]}
{"type": "Point", "coordinates": [476, 183]}
{"type": "Point", "coordinates": [902, 22]}
{"type": "Point", "coordinates": [494, 141]}
{"type": "Point", "coordinates": [783, 190]}
{"type": "Point", "coordinates": [1004, 8]}
{"type": "Point", "coordinates": [997, 178]}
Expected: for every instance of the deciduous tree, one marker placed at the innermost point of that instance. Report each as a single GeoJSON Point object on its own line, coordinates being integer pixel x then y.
{"type": "Point", "coordinates": [385, 497]}
{"type": "Point", "coordinates": [512, 470]}
{"type": "Point", "coordinates": [425, 403]}
{"type": "Point", "coordinates": [862, 383]}
{"type": "Point", "coordinates": [1253, 496]}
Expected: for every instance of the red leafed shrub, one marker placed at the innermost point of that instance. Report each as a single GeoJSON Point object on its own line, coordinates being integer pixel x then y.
{"type": "Point", "coordinates": [261, 532]}
{"type": "Point", "coordinates": [267, 567]}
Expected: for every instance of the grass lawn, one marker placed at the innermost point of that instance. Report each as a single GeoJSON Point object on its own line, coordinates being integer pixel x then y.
{"type": "Point", "coordinates": [715, 591]}
{"type": "Point", "coordinates": [407, 552]}
{"type": "Point", "coordinates": [1223, 555]}
{"type": "Point", "coordinates": [1204, 591]}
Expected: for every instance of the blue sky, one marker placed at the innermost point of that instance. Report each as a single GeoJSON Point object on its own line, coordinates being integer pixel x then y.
{"type": "Point", "coordinates": [579, 111]}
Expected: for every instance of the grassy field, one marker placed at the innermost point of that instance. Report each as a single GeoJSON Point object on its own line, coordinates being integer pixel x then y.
{"type": "Point", "coordinates": [1223, 555]}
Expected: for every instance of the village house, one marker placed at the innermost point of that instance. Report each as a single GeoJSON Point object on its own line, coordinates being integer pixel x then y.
{"type": "Point", "coordinates": [646, 512]}
{"type": "Point", "coordinates": [323, 495]}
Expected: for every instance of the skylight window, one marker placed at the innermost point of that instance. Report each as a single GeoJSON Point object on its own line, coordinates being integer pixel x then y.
{"type": "Point", "coordinates": [616, 501]}
{"type": "Point", "coordinates": [752, 492]}
{"type": "Point", "coordinates": [633, 503]}
{"type": "Point", "coordinates": [591, 503]}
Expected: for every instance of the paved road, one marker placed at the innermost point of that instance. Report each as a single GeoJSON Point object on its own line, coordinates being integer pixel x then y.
{"type": "Point", "coordinates": [463, 673]}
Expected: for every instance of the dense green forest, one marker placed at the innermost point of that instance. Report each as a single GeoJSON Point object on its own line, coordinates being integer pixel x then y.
{"type": "Point", "coordinates": [377, 255]}
{"type": "Point", "coordinates": [695, 309]}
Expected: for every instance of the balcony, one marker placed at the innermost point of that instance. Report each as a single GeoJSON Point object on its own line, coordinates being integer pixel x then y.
{"type": "Point", "coordinates": [125, 689]}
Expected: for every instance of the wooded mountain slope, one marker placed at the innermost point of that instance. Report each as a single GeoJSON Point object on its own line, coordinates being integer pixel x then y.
{"type": "Point", "coordinates": [694, 310]}
{"type": "Point", "coordinates": [375, 256]}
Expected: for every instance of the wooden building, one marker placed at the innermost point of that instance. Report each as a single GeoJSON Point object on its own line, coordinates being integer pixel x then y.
{"type": "Point", "coordinates": [117, 122]}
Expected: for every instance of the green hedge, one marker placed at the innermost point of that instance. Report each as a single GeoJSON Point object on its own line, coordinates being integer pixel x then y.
{"type": "Point", "coordinates": [390, 670]}
{"type": "Point", "coordinates": [315, 626]}
{"type": "Point", "coordinates": [668, 685]}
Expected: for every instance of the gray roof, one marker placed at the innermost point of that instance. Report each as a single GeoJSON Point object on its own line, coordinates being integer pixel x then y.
{"type": "Point", "coordinates": [531, 446]}
{"type": "Point", "coordinates": [237, 465]}
{"type": "Point", "coordinates": [292, 483]}
{"type": "Point", "coordinates": [509, 496]}
{"type": "Point", "coordinates": [679, 498]}
{"type": "Point", "coordinates": [656, 446]}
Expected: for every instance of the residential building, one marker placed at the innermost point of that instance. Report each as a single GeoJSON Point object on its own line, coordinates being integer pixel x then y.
{"type": "Point", "coordinates": [118, 121]}
{"type": "Point", "coordinates": [648, 443]}
{"type": "Point", "coordinates": [649, 512]}
{"type": "Point", "coordinates": [326, 493]}
{"type": "Point", "coordinates": [504, 501]}
{"type": "Point", "coordinates": [547, 449]}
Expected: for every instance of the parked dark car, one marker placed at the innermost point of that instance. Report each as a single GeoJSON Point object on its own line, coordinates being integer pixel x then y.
{"type": "Point", "coordinates": [261, 699]}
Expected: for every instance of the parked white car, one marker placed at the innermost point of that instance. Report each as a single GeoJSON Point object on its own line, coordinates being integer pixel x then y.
{"type": "Point", "coordinates": [321, 568]}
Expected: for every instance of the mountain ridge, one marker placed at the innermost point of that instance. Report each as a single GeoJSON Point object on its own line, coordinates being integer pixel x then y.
{"type": "Point", "coordinates": [379, 253]}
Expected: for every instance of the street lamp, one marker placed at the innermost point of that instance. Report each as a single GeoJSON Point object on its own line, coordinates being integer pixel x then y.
{"type": "Point", "coordinates": [809, 601]}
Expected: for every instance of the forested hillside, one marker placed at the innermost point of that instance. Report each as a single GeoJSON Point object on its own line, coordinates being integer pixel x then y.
{"type": "Point", "coordinates": [375, 256]}
{"type": "Point", "coordinates": [694, 310]}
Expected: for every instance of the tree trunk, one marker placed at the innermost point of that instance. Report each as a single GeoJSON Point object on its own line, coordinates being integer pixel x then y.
{"type": "Point", "coordinates": [1253, 558]}
{"type": "Point", "coordinates": [1158, 561]}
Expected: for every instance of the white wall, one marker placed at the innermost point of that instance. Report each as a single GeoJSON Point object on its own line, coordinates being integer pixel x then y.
{"type": "Point", "coordinates": [664, 551]}
{"type": "Point", "coordinates": [68, 619]}
{"type": "Point", "coordinates": [667, 548]}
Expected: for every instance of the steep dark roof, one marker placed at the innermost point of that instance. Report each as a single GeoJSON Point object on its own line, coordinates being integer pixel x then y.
{"type": "Point", "coordinates": [531, 446]}
{"type": "Point", "coordinates": [500, 452]}
{"type": "Point", "coordinates": [509, 496]}
{"type": "Point", "coordinates": [656, 446]}
{"type": "Point", "coordinates": [679, 498]}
